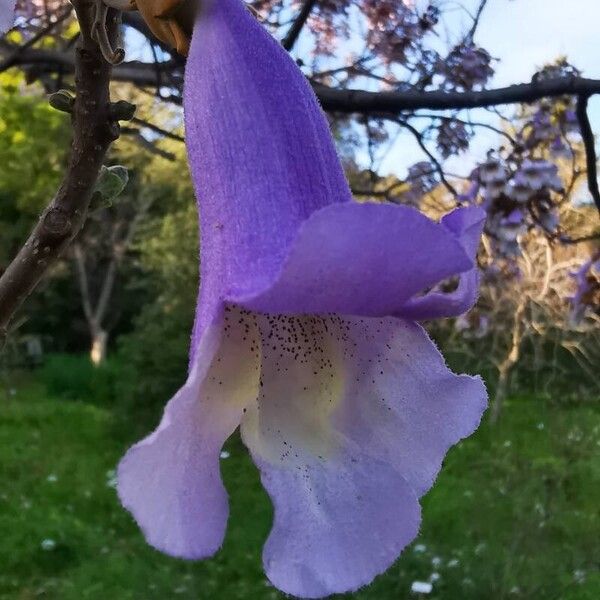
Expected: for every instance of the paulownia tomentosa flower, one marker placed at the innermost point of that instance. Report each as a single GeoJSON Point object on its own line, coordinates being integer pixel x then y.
{"type": "Point", "coordinates": [305, 333]}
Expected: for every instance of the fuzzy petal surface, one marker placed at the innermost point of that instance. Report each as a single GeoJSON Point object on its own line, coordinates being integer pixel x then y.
{"type": "Point", "coordinates": [362, 259]}
{"type": "Point", "coordinates": [351, 426]}
{"type": "Point", "coordinates": [261, 154]}
{"type": "Point", "coordinates": [467, 225]}
{"type": "Point", "coordinates": [170, 481]}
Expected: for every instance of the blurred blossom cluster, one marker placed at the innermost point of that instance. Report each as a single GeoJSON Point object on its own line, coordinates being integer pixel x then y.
{"type": "Point", "coordinates": [473, 324]}
{"type": "Point", "coordinates": [421, 179]}
{"type": "Point", "coordinates": [398, 34]}
{"type": "Point", "coordinates": [466, 67]}
{"type": "Point", "coordinates": [517, 195]}
{"type": "Point", "coordinates": [452, 137]}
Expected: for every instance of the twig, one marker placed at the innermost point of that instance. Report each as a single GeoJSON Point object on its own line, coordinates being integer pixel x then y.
{"type": "Point", "coordinates": [294, 33]}
{"type": "Point", "coordinates": [587, 135]}
{"type": "Point", "coordinates": [360, 101]}
{"type": "Point", "coordinates": [438, 167]}
{"type": "Point", "coordinates": [136, 134]}
{"type": "Point", "coordinates": [94, 129]}
{"type": "Point", "coordinates": [471, 33]}
{"type": "Point", "coordinates": [157, 129]}
{"type": "Point", "coordinates": [345, 101]}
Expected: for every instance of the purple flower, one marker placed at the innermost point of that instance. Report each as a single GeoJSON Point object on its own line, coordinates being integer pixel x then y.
{"type": "Point", "coordinates": [305, 333]}
{"type": "Point", "coordinates": [519, 189]}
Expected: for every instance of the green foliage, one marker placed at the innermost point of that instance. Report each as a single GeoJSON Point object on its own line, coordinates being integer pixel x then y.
{"type": "Point", "coordinates": [34, 140]}
{"type": "Point", "coordinates": [74, 377]}
{"type": "Point", "coordinates": [514, 513]}
{"type": "Point", "coordinates": [156, 350]}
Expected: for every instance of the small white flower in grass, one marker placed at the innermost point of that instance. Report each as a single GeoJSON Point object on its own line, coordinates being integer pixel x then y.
{"type": "Point", "coordinates": [421, 587]}
{"type": "Point", "coordinates": [454, 562]}
{"type": "Point", "coordinates": [48, 544]}
{"type": "Point", "coordinates": [434, 577]}
{"type": "Point", "coordinates": [111, 478]}
{"type": "Point", "coordinates": [540, 426]}
{"type": "Point", "coordinates": [515, 590]}
{"type": "Point", "coordinates": [420, 548]}
{"type": "Point", "coordinates": [480, 548]}
{"type": "Point", "coordinates": [579, 576]}
{"type": "Point", "coordinates": [52, 478]}
{"type": "Point", "coordinates": [225, 454]}
{"type": "Point", "coordinates": [507, 444]}
{"type": "Point", "coordinates": [436, 561]}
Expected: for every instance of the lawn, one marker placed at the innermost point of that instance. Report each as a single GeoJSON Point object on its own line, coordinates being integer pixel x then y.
{"type": "Point", "coordinates": [515, 513]}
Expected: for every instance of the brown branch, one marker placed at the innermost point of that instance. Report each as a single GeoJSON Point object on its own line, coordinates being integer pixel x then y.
{"type": "Point", "coordinates": [392, 103]}
{"type": "Point", "coordinates": [296, 29]}
{"type": "Point", "coordinates": [94, 128]}
{"type": "Point", "coordinates": [436, 164]}
{"type": "Point", "coordinates": [345, 101]}
{"type": "Point", "coordinates": [565, 239]}
{"type": "Point", "coordinates": [163, 132]}
{"type": "Point", "coordinates": [587, 134]}
{"type": "Point", "coordinates": [151, 147]}
{"type": "Point", "coordinates": [476, 19]}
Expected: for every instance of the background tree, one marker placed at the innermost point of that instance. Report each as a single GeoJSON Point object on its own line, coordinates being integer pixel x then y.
{"type": "Point", "coordinates": [380, 69]}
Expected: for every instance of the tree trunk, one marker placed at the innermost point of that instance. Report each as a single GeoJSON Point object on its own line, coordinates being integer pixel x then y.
{"type": "Point", "coordinates": [511, 359]}
{"type": "Point", "coordinates": [99, 344]}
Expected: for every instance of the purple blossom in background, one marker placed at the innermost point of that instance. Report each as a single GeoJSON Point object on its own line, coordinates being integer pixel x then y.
{"type": "Point", "coordinates": [421, 179]}
{"type": "Point", "coordinates": [305, 333]}
{"type": "Point", "coordinates": [452, 137]}
{"type": "Point", "coordinates": [519, 188]}
{"type": "Point", "coordinates": [542, 127]}
{"type": "Point", "coordinates": [466, 67]}
{"type": "Point", "coordinates": [469, 196]}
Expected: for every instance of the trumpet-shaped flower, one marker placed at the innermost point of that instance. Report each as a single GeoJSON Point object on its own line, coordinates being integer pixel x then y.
{"type": "Point", "coordinates": [305, 335]}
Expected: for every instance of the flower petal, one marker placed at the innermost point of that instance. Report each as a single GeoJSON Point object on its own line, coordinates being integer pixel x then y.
{"type": "Point", "coordinates": [467, 224]}
{"type": "Point", "coordinates": [351, 426]}
{"type": "Point", "coordinates": [170, 481]}
{"type": "Point", "coordinates": [361, 259]}
{"type": "Point", "coordinates": [260, 150]}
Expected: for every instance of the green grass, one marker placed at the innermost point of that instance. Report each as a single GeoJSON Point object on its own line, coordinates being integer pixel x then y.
{"type": "Point", "coordinates": [515, 513]}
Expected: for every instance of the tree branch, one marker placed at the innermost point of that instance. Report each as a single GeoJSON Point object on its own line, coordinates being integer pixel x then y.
{"type": "Point", "coordinates": [93, 131]}
{"type": "Point", "coordinates": [392, 103]}
{"type": "Point", "coordinates": [294, 33]}
{"type": "Point", "coordinates": [587, 135]}
{"type": "Point", "coordinates": [344, 101]}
